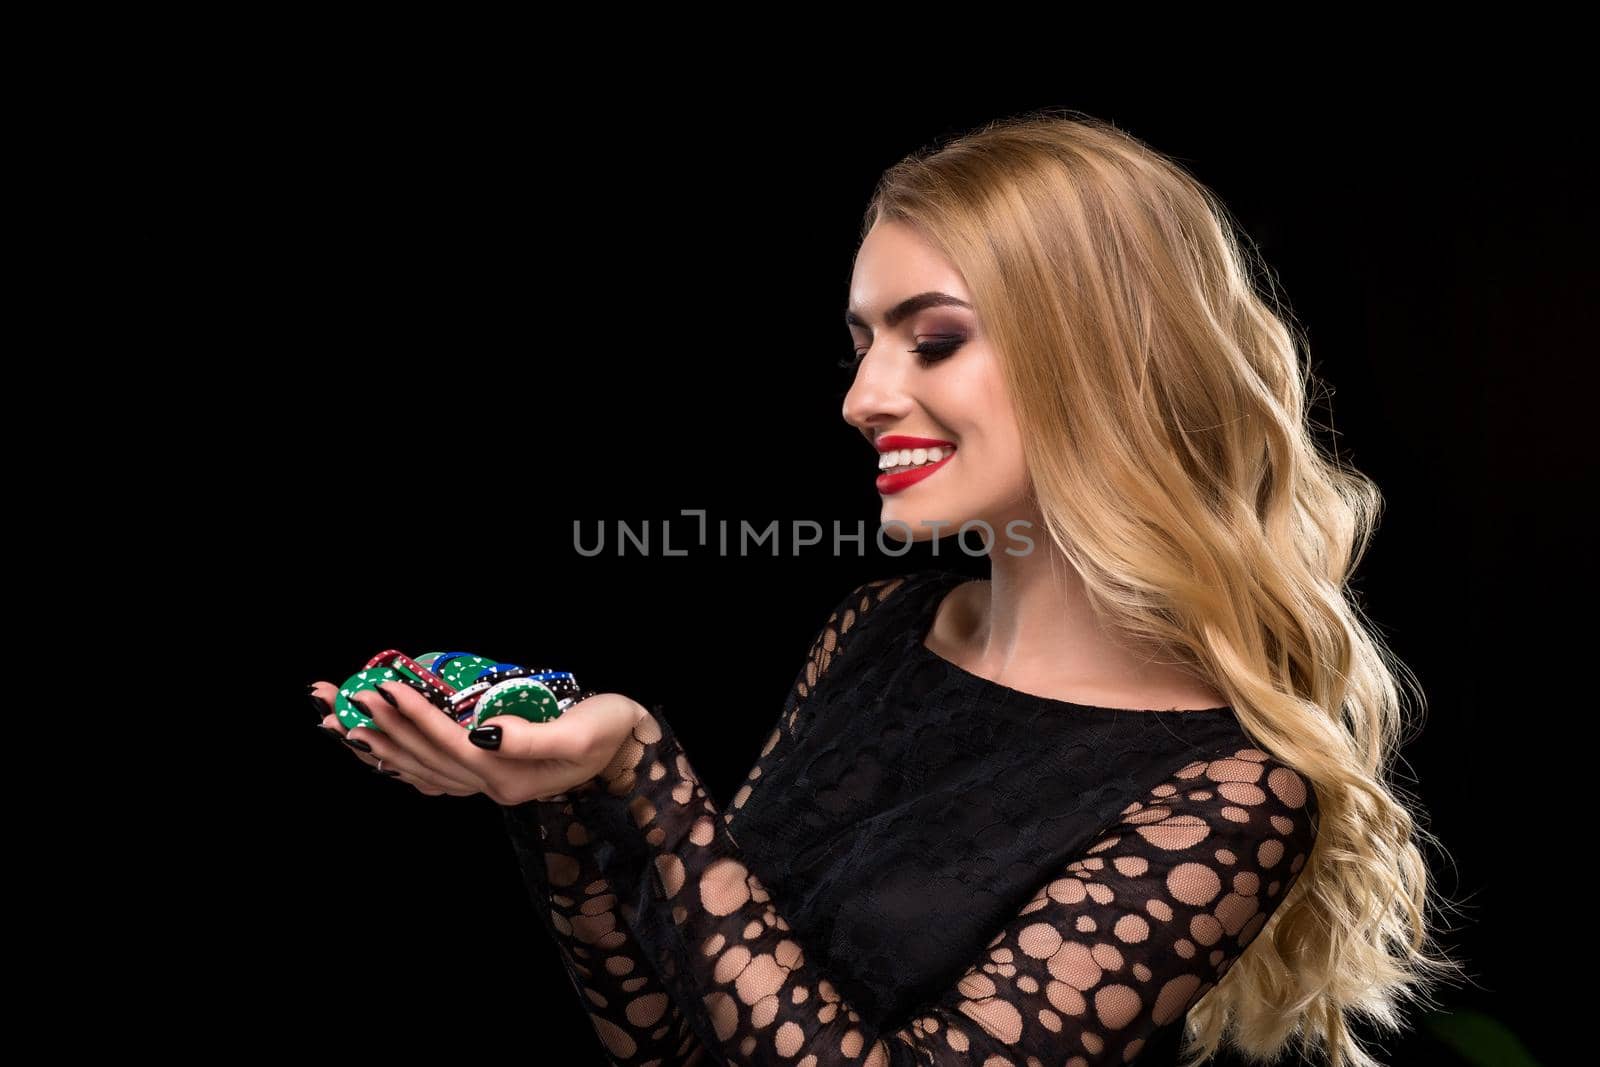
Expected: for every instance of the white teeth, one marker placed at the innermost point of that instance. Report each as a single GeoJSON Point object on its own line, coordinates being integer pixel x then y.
{"type": "Point", "coordinates": [911, 458]}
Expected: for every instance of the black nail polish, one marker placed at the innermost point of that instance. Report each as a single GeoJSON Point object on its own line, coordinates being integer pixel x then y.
{"type": "Point", "coordinates": [356, 742]}
{"type": "Point", "coordinates": [320, 704]}
{"type": "Point", "coordinates": [387, 772]}
{"type": "Point", "coordinates": [485, 736]}
{"type": "Point", "coordinates": [389, 699]}
{"type": "Point", "coordinates": [330, 731]}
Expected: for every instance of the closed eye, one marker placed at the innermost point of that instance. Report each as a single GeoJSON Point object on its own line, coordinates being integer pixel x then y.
{"type": "Point", "coordinates": [928, 352]}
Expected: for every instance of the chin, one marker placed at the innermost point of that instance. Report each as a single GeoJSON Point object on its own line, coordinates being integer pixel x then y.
{"type": "Point", "coordinates": [905, 515]}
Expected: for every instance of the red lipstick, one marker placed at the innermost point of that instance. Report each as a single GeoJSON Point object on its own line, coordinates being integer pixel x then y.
{"type": "Point", "coordinates": [893, 483]}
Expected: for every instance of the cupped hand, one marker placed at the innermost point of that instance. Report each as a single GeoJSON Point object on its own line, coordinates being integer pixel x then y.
{"type": "Point", "coordinates": [534, 760]}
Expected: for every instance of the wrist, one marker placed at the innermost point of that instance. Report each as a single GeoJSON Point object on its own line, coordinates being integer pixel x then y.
{"type": "Point", "coordinates": [617, 775]}
{"type": "Point", "coordinates": [577, 695]}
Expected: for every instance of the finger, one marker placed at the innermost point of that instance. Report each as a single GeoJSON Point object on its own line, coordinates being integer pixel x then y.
{"type": "Point", "coordinates": [391, 746]}
{"type": "Point", "coordinates": [323, 695]}
{"type": "Point", "coordinates": [573, 736]}
{"type": "Point", "coordinates": [415, 730]}
{"type": "Point", "coordinates": [359, 746]}
{"type": "Point", "coordinates": [423, 784]}
{"type": "Point", "coordinates": [394, 757]}
{"type": "Point", "coordinates": [441, 731]}
{"type": "Point", "coordinates": [568, 737]}
{"type": "Point", "coordinates": [428, 788]}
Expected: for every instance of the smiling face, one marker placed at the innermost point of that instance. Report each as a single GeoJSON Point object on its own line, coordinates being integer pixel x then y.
{"type": "Point", "coordinates": [927, 382]}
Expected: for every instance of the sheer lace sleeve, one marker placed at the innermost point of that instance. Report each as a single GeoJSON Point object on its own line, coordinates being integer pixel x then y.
{"type": "Point", "coordinates": [1120, 941]}
{"type": "Point", "coordinates": [630, 1009]}
{"type": "Point", "coordinates": [633, 1016]}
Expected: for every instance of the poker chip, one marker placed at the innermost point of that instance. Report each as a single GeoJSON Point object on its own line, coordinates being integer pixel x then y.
{"type": "Point", "coordinates": [430, 692]}
{"type": "Point", "coordinates": [526, 698]}
{"type": "Point", "coordinates": [578, 695]}
{"type": "Point", "coordinates": [462, 671]}
{"type": "Point", "coordinates": [463, 701]}
{"type": "Point", "coordinates": [561, 683]}
{"type": "Point", "coordinates": [417, 670]}
{"type": "Point", "coordinates": [469, 694]}
{"type": "Point", "coordinates": [425, 682]}
{"type": "Point", "coordinates": [349, 714]}
{"type": "Point", "coordinates": [445, 657]}
{"type": "Point", "coordinates": [463, 685]}
{"type": "Point", "coordinates": [411, 668]}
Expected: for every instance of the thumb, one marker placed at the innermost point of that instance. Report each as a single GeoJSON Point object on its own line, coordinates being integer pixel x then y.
{"type": "Point", "coordinates": [514, 737]}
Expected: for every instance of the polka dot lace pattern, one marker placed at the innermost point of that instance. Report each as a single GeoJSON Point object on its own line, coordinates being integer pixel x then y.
{"type": "Point", "coordinates": [1098, 964]}
{"type": "Point", "coordinates": [629, 1007]}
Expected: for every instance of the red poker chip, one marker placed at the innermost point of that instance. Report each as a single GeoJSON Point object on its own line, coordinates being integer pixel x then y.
{"type": "Point", "coordinates": [393, 657]}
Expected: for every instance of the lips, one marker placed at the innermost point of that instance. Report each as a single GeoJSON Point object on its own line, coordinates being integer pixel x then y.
{"type": "Point", "coordinates": [890, 442]}
{"type": "Point", "coordinates": [890, 483]}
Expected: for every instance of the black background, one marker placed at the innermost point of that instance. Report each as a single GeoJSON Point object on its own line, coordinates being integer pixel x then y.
{"type": "Point", "coordinates": [480, 319]}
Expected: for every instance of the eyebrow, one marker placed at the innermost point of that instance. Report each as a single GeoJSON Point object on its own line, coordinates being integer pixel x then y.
{"type": "Point", "coordinates": [909, 306]}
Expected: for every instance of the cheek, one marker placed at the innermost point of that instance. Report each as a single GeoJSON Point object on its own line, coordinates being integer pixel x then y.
{"type": "Point", "coordinates": [1008, 465]}
{"type": "Point", "coordinates": [1002, 439]}
{"type": "Point", "coordinates": [978, 408]}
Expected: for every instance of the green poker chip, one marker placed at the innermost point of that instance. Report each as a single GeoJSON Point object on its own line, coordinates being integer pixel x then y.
{"type": "Point", "coordinates": [464, 670]}
{"type": "Point", "coordinates": [350, 715]}
{"type": "Point", "coordinates": [526, 698]}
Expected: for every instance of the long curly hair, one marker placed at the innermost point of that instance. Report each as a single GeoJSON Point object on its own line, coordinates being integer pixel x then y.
{"type": "Point", "coordinates": [1165, 404]}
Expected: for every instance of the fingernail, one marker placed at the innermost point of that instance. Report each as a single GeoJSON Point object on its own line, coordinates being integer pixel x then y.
{"type": "Point", "coordinates": [356, 742]}
{"type": "Point", "coordinates": [384, 693]}
{"type": "Point", "coordinates": [387, 772]}
{"type": "Point", "coordinates": [320, 704]}
{"type": "Point", "coordinates": [330, 731]}
{"type": "Point", "coordinates": [485, 736]}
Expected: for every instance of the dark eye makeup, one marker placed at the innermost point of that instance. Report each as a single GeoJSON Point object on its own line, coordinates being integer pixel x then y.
{"type": "Point", "coordinates": [928, 352]}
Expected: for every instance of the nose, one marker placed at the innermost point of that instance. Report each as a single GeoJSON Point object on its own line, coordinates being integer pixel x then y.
{"type": "Point", "coordinates": [878, 395]}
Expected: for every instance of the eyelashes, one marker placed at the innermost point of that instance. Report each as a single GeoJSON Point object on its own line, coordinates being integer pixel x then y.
{"type": "Point", "coordinates": [928, 352]}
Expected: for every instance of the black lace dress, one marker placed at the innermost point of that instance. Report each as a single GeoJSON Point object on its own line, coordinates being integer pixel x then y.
{"type": "Point", "coordinates": [923, 867]}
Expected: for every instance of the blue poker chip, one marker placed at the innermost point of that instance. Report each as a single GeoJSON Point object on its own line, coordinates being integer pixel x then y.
{"type": "Point", "coordinates": [441, 658]}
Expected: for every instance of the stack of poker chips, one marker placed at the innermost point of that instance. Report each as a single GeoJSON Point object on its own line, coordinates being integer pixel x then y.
{"type": "Point", "coordinates": [467, 687]}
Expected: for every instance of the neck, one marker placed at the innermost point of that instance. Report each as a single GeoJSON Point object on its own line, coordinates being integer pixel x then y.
{"type": "Point", "coordinates": [1030, 626]}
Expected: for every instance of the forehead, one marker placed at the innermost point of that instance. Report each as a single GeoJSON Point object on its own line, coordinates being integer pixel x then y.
{"type": "Point", "coordinates": [894, 262]}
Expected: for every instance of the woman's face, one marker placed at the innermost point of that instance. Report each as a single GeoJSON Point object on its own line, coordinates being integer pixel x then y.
{"type": "Point", "coordinates": [950, 398]}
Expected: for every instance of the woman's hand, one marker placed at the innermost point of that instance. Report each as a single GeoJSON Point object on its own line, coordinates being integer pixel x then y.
{"type": "Point", "coordinates": [534, 760]}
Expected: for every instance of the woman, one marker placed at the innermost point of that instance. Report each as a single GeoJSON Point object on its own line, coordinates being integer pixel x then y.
{"type": "Point", "coordinates": [1127, 793]}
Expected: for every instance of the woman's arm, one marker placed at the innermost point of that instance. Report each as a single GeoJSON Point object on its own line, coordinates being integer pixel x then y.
{"type": "Point", "coordinates": [1121, 940]}
{"type": "Point", "coordinates": [629, 1006]}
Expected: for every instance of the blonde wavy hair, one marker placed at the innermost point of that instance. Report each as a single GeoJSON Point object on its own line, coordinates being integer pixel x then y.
{"type": "Point", "coordinates": [1172, 460]}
